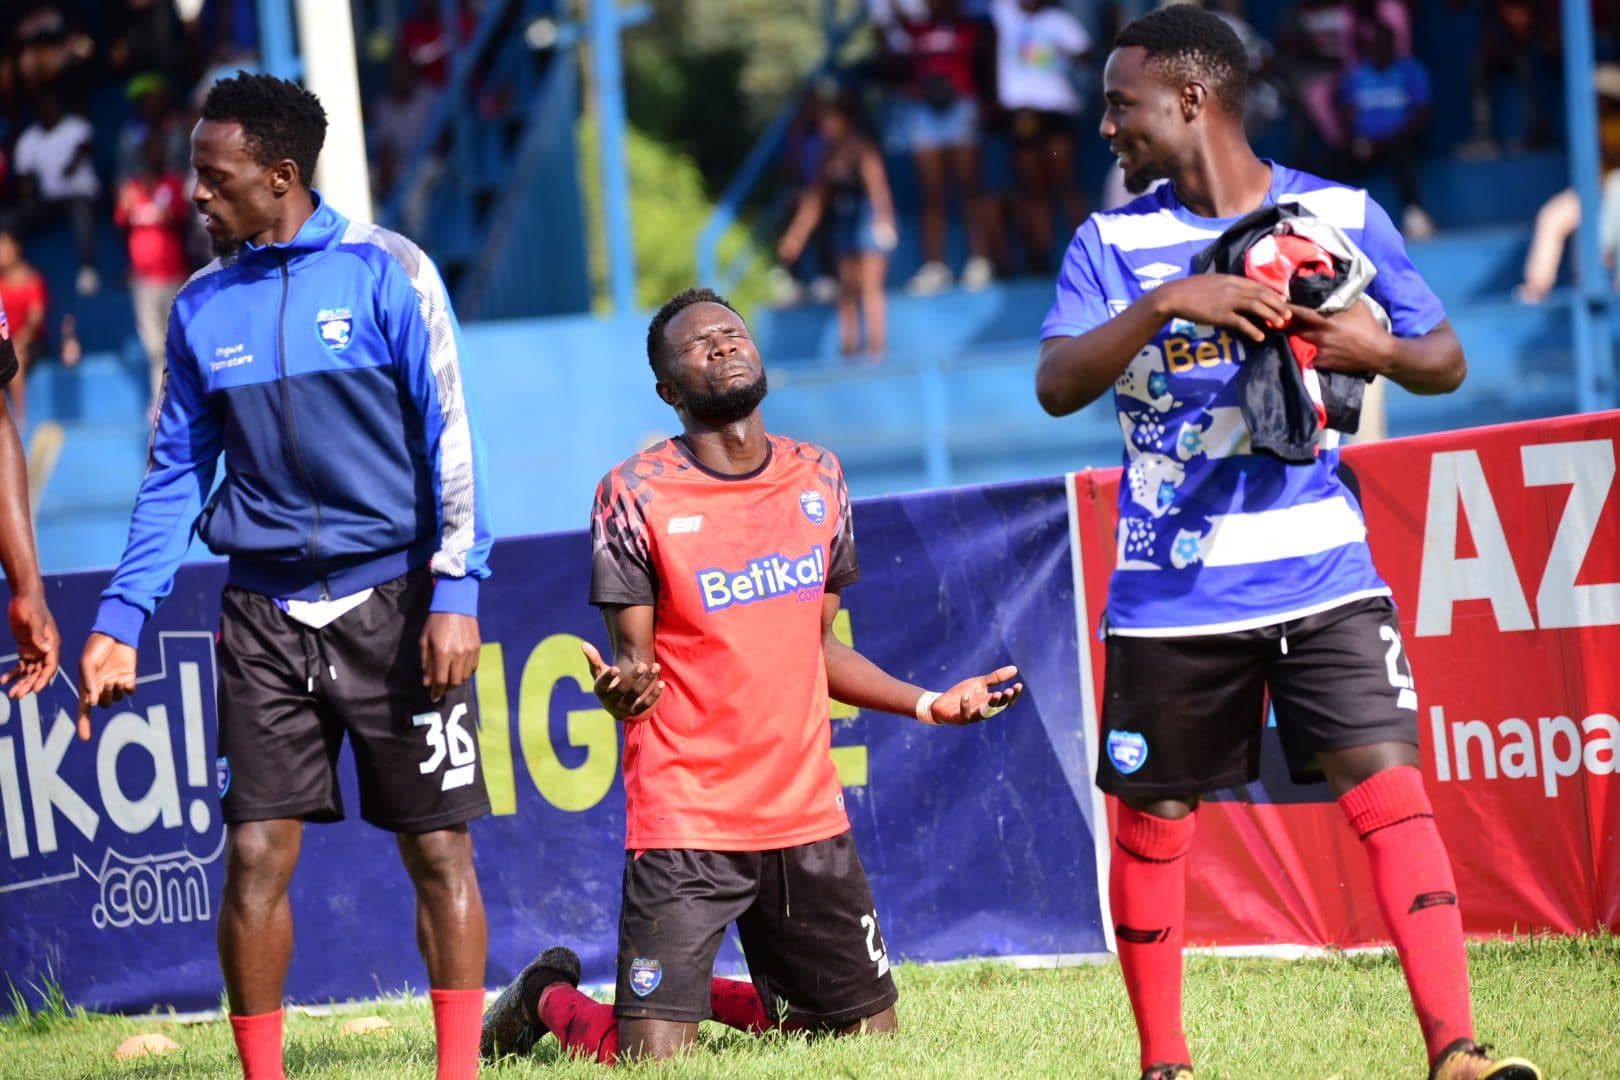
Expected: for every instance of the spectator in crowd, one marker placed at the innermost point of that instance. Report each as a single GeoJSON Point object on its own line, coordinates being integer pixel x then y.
{"type": "Point", "coordinates": [1512, 34]}
{"type": "Point", "coordinates": [939, 59]}
{"type": "Point", "coordinates": [146, 35]}
{"type": "Point", "coordinates": [1263, 102]}
{"type": "Point", "coordinates": [151, 115]}
{"type": "Point", "coordinates": [394, 121]}
{"type": "Point", "coordinates": [154, 212]}
{"type": "Point", "coordinates": [56, 179]}
{"type": "Point", "coordinates": [803, 150]}
{"type": "Point", "coordinates": [1316, 41]}
{"type": "Point", "coordinates": [1384, 104]}
{"type": "Point", "coordinates": [852, 193]}
{"type": "Point", "coordinates": [1040, 50]}
{"type": "Point", "coordinates": [228, 31]}
{"type": "Point", "coordinates": [26, 302]}
{"type": "Point", "coordinates": [423, 39]}
{"type": "Point", "coordinates": [1365, 14]}
{"type": "Point", "coordinates": [1560, 215]}
{"type": "Point", "coordinates": [50, 52]}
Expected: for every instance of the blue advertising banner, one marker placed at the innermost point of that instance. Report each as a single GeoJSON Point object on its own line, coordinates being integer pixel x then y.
{"type": "Point", "coordinates": [978, 841]}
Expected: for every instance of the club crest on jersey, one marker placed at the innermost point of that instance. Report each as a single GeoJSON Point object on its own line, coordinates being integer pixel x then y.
{"type": "Point", "coordinates": [336, 326]}
{"type": "Point", "coordinates": [1128, 750]}
{"type": "Point", "coordinates": [764, 578]}
{"type": "Point", "coordinates": [645, 975]}
{"type": "Point", "coordinates": [813, 505]}
{"type": "Point", "coordinates": [5, 327]}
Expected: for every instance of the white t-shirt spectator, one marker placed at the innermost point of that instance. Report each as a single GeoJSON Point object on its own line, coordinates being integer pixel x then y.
{"type": "Point", "coordinates": [47, 154]}
{"type": "Point", "coordinates": [394, 126]}
{"type": "Point", "coordinates": [1035, 56]}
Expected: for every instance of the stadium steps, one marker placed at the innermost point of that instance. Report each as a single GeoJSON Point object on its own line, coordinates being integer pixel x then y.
{"type": "Point", "coordinates": [82, 503]}
{"type": "Point", "coordinates": [83, 514]}
{"type": "Point", "coordinates": [104, 387]}
{"type": "Point", "coordinates": [1464, 266]}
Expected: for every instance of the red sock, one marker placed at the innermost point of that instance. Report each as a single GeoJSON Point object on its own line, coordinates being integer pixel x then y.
{"type": "Point", "coordinates": [458, 1017]}
{"type": "Point", "coordinates": [258, 1044]}
{"type": "Point", "coordinates": [1417, 896]}
{"type": "Point", "coordinates": [736, 1004]}
{"type": "Point", "coordinates": [1147, 888]}
{"type": "Point", "coordinates": [584, 1026]}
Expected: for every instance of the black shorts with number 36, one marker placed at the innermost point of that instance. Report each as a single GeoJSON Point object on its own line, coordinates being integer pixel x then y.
{"type": "Point", "coordinates": [1184, 715]}
{"type": "Point", "coordinates": [288, 695]}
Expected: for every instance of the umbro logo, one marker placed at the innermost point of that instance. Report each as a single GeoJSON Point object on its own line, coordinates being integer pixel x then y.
{"type": "Point", "coordinates": [1157, 271]}
{"type": "Point", "coordinates": [689, 523]}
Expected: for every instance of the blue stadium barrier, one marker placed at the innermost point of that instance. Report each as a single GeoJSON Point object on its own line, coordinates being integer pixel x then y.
{"type": "Point", "coordinates": [978, 841]}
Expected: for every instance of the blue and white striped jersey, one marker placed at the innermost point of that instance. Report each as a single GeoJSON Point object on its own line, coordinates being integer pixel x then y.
{"type": "Point", "coordinates": [1212, 536]}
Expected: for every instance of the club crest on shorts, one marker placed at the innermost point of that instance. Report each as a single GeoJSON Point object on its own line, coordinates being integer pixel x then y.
{"type": "Point", "coordinates": [645, 975]}
{"type": "Point", "coordinates": [222, 774]}
{"type": "Point", "coordinates": [1128, 750]}
{"type": "Point", "coordinates": [336, 326]}
{"type": "Point", "coordinates": [813, 505]}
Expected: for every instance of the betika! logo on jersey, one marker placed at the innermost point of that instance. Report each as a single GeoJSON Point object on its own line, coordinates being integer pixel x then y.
{"type": "Point", "coordinates": [765, 578]}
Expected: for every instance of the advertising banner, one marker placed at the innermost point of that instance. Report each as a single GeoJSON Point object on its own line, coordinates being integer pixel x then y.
{"type": "Point", "coordinates": [1502, 548]}
{"type": "Point", "coordinates": [977, 840]}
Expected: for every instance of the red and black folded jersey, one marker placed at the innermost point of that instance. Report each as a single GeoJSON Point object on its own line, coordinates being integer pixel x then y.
{"type": "Point", "coordinates": [1286, 402]}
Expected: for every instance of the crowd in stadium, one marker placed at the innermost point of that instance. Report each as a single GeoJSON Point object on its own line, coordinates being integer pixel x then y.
{"type": "Point", "coordinates": [82, 85]}
{"type": "Point", "coordinates": [991, 99]}
{"type": "Point", "coordinates": [989, 102]}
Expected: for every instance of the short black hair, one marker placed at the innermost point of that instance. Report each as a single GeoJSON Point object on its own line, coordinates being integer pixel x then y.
{"type": "Point", "coordinates": [279, 118]}
{"type": "Point", "coordinates": [673, 307]}
{"type": "Point", "coordinates": [1196, 46]}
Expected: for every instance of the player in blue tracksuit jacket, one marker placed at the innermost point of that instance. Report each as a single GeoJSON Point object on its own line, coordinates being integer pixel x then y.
{"type": "Point", "coordinates": [321, 358]}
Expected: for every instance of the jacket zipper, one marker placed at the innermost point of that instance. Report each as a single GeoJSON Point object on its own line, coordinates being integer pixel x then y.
{"type": "Point", "coordinates": [291, 433]}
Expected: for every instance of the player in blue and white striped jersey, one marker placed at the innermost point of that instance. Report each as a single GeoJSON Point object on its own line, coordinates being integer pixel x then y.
{"type": "Point", "coordinates": [1237, 575]}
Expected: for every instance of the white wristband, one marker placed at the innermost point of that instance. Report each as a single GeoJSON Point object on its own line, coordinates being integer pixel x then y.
{"type": "Point", "coordinates": [925, 705]}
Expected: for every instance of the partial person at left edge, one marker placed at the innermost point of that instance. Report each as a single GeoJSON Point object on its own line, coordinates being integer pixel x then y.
{"type": "Point", "coordinates": [322, 358]}
{"type": "Point", "coordinates": [39, 646]}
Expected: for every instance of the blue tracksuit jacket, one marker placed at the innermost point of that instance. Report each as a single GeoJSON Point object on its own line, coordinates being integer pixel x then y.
{"type": "Point", "coordinates": [327, 370]}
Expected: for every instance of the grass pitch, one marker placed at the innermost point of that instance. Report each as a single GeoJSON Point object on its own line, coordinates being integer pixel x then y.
{"type": "Point", "coordinates": [1554, 1000]}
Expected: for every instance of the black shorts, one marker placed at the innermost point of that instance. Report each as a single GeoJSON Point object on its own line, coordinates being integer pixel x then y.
{"type": "Point", "coordinates": [282, 715]}
{"type": "Point", "coordinates": [1184, 715]}
{"type": "Point", "coordinates": [804, 914]}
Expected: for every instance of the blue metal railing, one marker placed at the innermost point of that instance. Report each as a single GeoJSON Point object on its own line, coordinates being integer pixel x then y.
{"type": "Point", "coordinates": [1594, 294]}
{"type": "Point", "coordinates": [509, 254]}
{"type": "Point", "coordinates": [452, 103]}
{"type": "Point", "coordinates": [759, 158]}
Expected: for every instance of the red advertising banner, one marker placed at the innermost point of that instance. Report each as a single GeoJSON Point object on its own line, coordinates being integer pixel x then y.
{"type": "Point", "coordinates": [1502, 548]}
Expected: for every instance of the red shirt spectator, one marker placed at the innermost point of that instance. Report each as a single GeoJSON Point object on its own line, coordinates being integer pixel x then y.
{"type": "Point", "coordinates": [423, 38]}
{"type": "Point", "coordinates": [25, 299]}
{"type": "Point", "coordinates": [940, 51]}
{"type": "Point", "coordinates": [154, 209]}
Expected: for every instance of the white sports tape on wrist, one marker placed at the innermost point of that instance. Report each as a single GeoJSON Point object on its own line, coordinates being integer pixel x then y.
{"type": "Point", "coordinates": [925, 705]}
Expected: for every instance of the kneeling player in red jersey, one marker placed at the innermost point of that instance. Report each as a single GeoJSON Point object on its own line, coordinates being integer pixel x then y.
{"type": "Point", "coordinates": [718, 560]}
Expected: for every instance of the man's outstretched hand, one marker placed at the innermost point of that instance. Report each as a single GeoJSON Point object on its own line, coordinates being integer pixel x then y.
{"type": "Point", "coordinates": [39, 646]}
{"type": "Point", "coordinates": [624, 696]}
{"type": "Point", "coordinates": [972, 700]}
{"type": "Point", "coordinates": [106, 675]}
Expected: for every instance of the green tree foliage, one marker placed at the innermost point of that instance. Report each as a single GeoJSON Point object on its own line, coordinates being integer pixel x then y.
{"type": "Point", "coordinates": [705, 76]}
{"type": "Point", "coordinates": [668, 206]}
